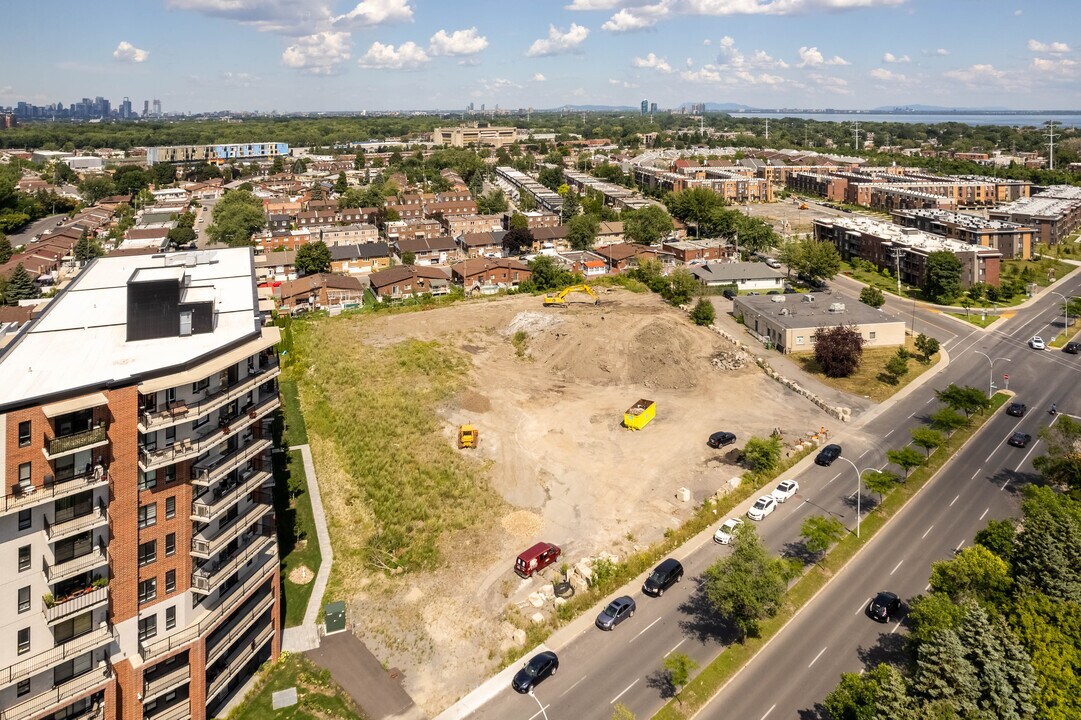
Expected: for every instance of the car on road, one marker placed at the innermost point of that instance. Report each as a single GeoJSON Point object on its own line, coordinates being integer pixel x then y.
{"type": "Point", "coordinates": [1072, 348]}
{"type": "Point", "coordinates": [1037, 343]}
{"type": "Point", "coordinates": [1016, 409]}
{"type": "Point", "coordinates": [727, 531]}
{"type": "Point", "coordinates": [762, 507]}
{"type": "Point", "coordinates": [617, 611]}
{"type": "Point", "coordinates": [536, 669]}
{"type": "Point", "coordinates": [1019, 439]}
{"type": "Point", "coordinates": [827, 455]}
{"type": "Point", "coordinates": [784, 490]}
{"type": "Point", "coordinates": [884, 606]}
{"type": "Point", "coordinates": [720, 439]}
{"type": "Point", "coordinates": [664, 576]}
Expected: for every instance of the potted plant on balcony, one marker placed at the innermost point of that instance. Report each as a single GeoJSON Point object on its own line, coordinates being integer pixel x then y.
{"type": "Point", "coordinates": [99, 582]}
{"type": "Point", "coordinates": [49, 600]}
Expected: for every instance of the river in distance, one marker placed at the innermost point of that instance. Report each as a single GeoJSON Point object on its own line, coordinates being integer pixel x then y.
{"type": "Point", "coordinates": [1010, 119]}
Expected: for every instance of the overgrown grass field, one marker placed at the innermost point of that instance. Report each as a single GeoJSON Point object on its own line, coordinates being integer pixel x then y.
{"type": "Point", "coordinates": [870, 380]}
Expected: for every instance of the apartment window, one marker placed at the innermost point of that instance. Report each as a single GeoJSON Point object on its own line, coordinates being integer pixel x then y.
{"type": "Point", "coordinates": [170, 436]}
{"type": "Point", "coordinates": [73, 668]}
{"type": "Point", "coordinates": [74, 627]}
{"type": "Point", "coordinates": [148, 590]}
{"type": "Point", "coordinates": [148, 552]}
{"type": "Point", "coordinates": [148, 627]}
{"type": "Point", "coordinates": [170, 474]}
{"type": "Point", "coordinates": [24, 599]}
{"type": "Point", "coordinates": [25, 519]}
{"type": "Point", "coordinates": [24, 558]}
{"type": "Point", "coordinates": [170, 581]}
{"type": "Point", "coordinates": [198, 387]}
{"type": "Point", "coordinates": [24, 476]}
{"type": "Point", "coordinates": [148, 480]}
{"type": "Point", "coordinates": [871, 335]}
{"type": "Point", "coordinates": [24, 433]}
{"type": "Point", "coordinates": [170, 617]}
{"type": "Point", "coordinates": [170, 544]}
{"type": "Point", "coordinates": [148, 515]}
{"type": "Point", "coordinates": [170, 507]}
{"type": "Point", "coordinates": [199, 422]}
{"type": "Point", "coordinates": [23, 688]}
{"type": "Point", "coordinates": [170, 395]}
{"type": "Point", "coordinates": [24, 641]}
{"type": "Point", "coordinates": [799, 339]}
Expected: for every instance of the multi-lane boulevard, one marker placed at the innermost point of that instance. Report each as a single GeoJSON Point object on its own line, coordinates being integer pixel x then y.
{"type": "Point", "coordinates": [831, 634]}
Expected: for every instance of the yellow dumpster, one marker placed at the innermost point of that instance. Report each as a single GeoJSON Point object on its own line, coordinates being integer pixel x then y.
{"type": "Point", "coordinates": [639, 414]}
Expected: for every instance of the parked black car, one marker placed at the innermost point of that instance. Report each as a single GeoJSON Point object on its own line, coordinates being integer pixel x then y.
{"type": "Point", "coordinates": [1019, 439]}
{"type": "Point", "coordinates": [827, 455]}
{"type": "Point", "coordinates": [539, 667]}
{"type": "Point", "coordinates": [884, 607]}
{"type": "Point", "coordinates": [664, 576]}
{"type": "Point", "coordinates": [729, 293]}
{"type": "Point", "coordinates": [1017, 409]}
{"type": "Point", "coordinates": [1072, 348]}
{"type": "Point", "coordinates": [720, 439]}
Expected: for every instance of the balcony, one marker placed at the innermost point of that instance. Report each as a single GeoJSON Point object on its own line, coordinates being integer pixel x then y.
{"type": "Point", "coordinates": [70, 568]}
{"type": "Point", "coordinates": [52, 489]}
{"type": "Point", "coordinates": [71, 605]}
{"type": "Point", "coordinates": [181, 412]}
{"type": "Point", "coordinates": [206, 578]}
{"type": "Point", "coordinates": [207, 438]}
{"type": "Point", "coordinates": [209, 471]}
{"type": "Point", "coordinates": [241, 656]}
{"type": "Point", "coordinates": [99, 637]}
{"type": "Point", "coordinates": [204, 548]}
{"type": "Point", "coordinates": [166, 682]}
{"type": "Point", "coordinates": [96, 518]}
{"type": "Point", "coordinates": [241, 626]}
{"type": "Point", "coordinates": [68, 444]}
{"type": "Point", "coordinates": [180, 711]}
{"type": "Point", "coordinates": [67, 691]}
{"type": "Point", "coordinates": [207, 507]}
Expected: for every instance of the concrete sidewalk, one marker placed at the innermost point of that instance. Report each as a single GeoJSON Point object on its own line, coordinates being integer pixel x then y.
{"type": "Point", "coordinates": [306, 636]}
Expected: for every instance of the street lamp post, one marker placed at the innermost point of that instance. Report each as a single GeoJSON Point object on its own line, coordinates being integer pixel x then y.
{"type": "Point", "coordinates": [1065, 308]}
{"type": "Point", "coordinates": [859, 488]}
{"type": "Point", "coordinates": [990, 370]}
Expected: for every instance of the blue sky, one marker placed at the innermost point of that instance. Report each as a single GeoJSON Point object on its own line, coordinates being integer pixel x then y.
{"type": "Point", "coordinates": [290, 55]}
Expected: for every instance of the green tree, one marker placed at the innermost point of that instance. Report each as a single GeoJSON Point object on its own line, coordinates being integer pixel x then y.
{"type": "Point", "coordinates": [892, 699]}
{"type": "Point", "coordinates": [277, 165]}
{"type": "Point", "coordinates": [749, 585]}
{"type": "Point", "coordinates": [581, 231]}
{"type": "Point", "coordinates": [879, 482]}
{"type": "Point", "coordinates": [517, 241]}
{"type": "Point", "coordinates": [852, 699]}
{"type": "Point", "coordinates": [932, 613]}
{"type": "Point", "coordinates": [6, 250]}
{"type": "Point", "coordinates": [130, 179]}
{"type": "Point", "coordinates": [838, 350]}
{"type": "Point", "coordinates": [646, 225]}
{"type": "Point", "coordinates": [927, 346]}
{"type": "Point", "coordinates": [967, 399]}
{"type": "Point", "coordinates": [948, 421]}
{"type": "Point", "coordinates": [1050, 632]}
{"type": "Point", "coordinates": [551, 177]}
{"type": "Point", "coordinates": [572, 205]}
{"type": "Point", "coordinates": [762, 455]}
{"type": "Point", "coordinates": [679, 667]}
{"type": "Point", "coordinates": [547, 274]}
{"type": "Point", "coordinates": [942, 282]}
{"type": "Point", "coordinates": [87, 248]}
{"type": "Point", "coordinates": [681, 287]}
{"type": "Point", "coordinates": [493, 203]}
{"type": "Point", "coordinates": [237, 216]}
{"type": "Point", "coordinates": [341, 184]}
{"type": "Point", "coordinates": [974, 573]}
{"type": "Point", "coordinates": [692, 206]}
{"type": "Point", "coordinates": [927, 438]}
{"type": "Point", "coordinates": [1061, 465]}
{"type": "Point", "coordinates": [409, 258]}
{"type": "Point", "coordinates": [703, 313]}
{"type": "Point", "coordinates": [999, 537]}
{"type": "Point", "coordinates": [872, 296]}
{"type": "Point", "coordinates": [94, 189]}
{"type": "Point", "coordinates": [896, 367]}
{"type": "Point", "coordinates": [182, 236]}
{"type": "Point", "coordinates": [351, 198]}
{"type": "Point", "coordinates": [756, 236]}
{"type": "Point", "coordinates": [162, 174]}
{"type": "Point", "coordinates": [518, 221]}
{"type": "Point", "coordinates": [1047, 557]}
{"type": "Point", "coordinates": [358, 160]}
{"type": "Point", "coordinates": [313, 257]}
{"type": "Point", "coordinates": [907, 458]}
{"type": "Point", "coordinates": [944, 674]}
{"type": "Point", "coordinates": [1003, 668]}
{"type": "Point", "coordinates": [819, 532]}
{"type": "Point", "coordinates": [20, 286]}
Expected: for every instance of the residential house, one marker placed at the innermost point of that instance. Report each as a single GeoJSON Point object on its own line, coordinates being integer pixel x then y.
{"type": "Point", "coordinates": [360, 258]}
{"type": "Point", "coordinates": [171, 195]}
{"type": "Point", "coordinates": [745, 276]}
{"type": "Point", "coordinates": [442, 210]}
{"type": "Point", "coordinates": [490, 275]}
{"type": "Point", "coordinates": [352, 216]}
{"type": "Point", "coordinates": [791, 322]}
{"type": "Point", "coordinates": [280, 206]}
{"type": "Point", "coordinates": [280, 222]}
{"type": "Point", "coordinates": [586, 263]}
{"type": "Point", "coordinates": [428, 251]}
{"type": "Point", "coordinates": [317, 218]}
{"type": "Point", "coordinates": [276, 266]}
{"type": "Point", "coordinates": [551, 238]}
{"type": "Point", "coordinates": [628, 255]}
{"type": "Point", "coordinates": [322, 290]}
{"type": "Point", "coordinates": [414, 229]}
{"type": "Point", "coordinates": [697, 251]}
{"type": "Point", "coordinates": [348, 234]}
{"type": "Point", "coordinates": [284, 239]}
{"type": "Point", "coordinates": [457, 225]}
{"type": "Point", "coordinates": [482, 244]}
{"type": "Point", "coordinates": [534, 218]}
{"type": "Point", "coordinates": [406, 281]}
{"type": "Point", "coordinates": [609, 233]}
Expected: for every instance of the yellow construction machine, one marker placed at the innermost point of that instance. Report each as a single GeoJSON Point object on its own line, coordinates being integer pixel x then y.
{"type": "Point", "coordinates": [559, 299]}
{"type": "Point", "coordinates": [468, 435]}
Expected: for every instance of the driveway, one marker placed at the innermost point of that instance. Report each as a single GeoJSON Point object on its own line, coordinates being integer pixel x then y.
{"type": "Point", "coordinates": [377, 692]}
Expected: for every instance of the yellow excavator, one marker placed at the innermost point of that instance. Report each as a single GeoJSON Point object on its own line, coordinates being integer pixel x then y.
{"type": "Point", "coordinates": [468, 435]}
{"type": "Point", "coordinates": [559, 299]}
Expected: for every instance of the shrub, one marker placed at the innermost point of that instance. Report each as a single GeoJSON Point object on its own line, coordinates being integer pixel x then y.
{"type": "Point", "coordinates": [703, 312]}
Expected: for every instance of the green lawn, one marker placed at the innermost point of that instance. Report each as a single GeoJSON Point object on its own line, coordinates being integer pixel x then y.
{"type": "Point", "coordinates": [294, 432]}
{"type": "Point", "coordinates": [976, 318]}
{"type": "Point", "coordinates": [297, 541]}
{"type": "Point", "coordinates": [318, 696]}
{"type": "Point", "coordinates": [869, 379]}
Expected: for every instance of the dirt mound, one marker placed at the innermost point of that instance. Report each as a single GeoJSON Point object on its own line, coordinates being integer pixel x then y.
{"type": "Point", "coordinates": [664, 355]}
{"type": "Point", "coordinates": [301, 575]}
{"type": "Point", "coordinates": [472, 401]}
{"type": "Point", "coordinates": [522, 524]}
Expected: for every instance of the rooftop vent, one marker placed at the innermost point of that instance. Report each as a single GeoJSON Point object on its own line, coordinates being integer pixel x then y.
{"type": "Point", "coordinates": [837, 307]}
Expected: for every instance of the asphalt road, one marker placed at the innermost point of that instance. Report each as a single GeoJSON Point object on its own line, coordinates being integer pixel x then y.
{"type": "Point", "coordinates": [598, 669]}
{"type": "Point", "coordinates": [26, 235]}
{"type": "Point", "coordinates": [202, 222]}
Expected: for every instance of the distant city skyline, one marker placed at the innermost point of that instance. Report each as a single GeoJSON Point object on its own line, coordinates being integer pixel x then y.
{"type": "Point", "coordinates": [342, 55]}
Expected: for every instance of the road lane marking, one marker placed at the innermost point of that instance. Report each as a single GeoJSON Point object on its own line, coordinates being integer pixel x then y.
{"type": "Point", "coordinates": [895, 567]}
{"type": "Point", "coordinates": [572, 686]}
{"type": "Point", "coordinates": [676, 647]}
{"type": "Point", "coordinates": [802, 504]}
{"type": "Point", "coordinates": [617, 697]}
{"type": "Point", "coordinates": [864, 453]}
{"type": "Point", "coordinates": [985, 513]}
{"type": "Point", "coordinates": [1005, 484]}
{"type": "Point", "coordinates": [928, 531]}
{"type": "Point", "coordinates": [975, 474]}
{"type": "Point", "coordinates": [895, 627]}
{"type": "Point", "coordinates": [959, 546]}
{"type": "Point", "coordinates": [833, 478]}
{"type": "Point", "coordinates": [852, 494]}
{"type": "Point", "coordinates": [540, 712]}
{"type": "Point", "coordinates": [647, 627]}
{"type": "Point", "coordinates": [768, 711]}
{"type": "Point", "coordinates": [888, 434]}
{"type": "Point", "coordinates": [1025, 458]}
{"type": "Point", "coordinates": [860, 608]}
{"type": "Point", "coordinates": [927, 588]}
{"type": "Point", "coordinates": [817, 656]}
{"type": "Point", "coordinates": [954, 500]}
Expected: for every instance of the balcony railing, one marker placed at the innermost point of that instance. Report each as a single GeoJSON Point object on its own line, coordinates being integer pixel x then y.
{"type": "Point", "coordinates": [247, 651]}
{"type": "Point", "coordinates": [211, 470]}
{"type": "Point", "coordinates": [67, 444]}
{"type": "Point", "coordinates": [180, 711]}
{"type": "Point", "coordinates": [70, 568]}
{"type": "Point", "coordinates": [242, 626]}
{"type": "Point", "coordinates": [207, 548]}
{"type": "Point", "coordinates": [206, 578]}
{"type": "Point", "coordinates": [164, 683]}
{"type": "Point", "coordinates": [152, 649]}
{"type": "Point", "coordinates": [95, 518]}
{"type": "Point", "coordinates": [52, 489]}
{"type": "Point", "coordinates": [180, 412]}
{"type": "Point", "coordinates": [62, 693]}
{"type": "Point", "coordinates": [206, 508]}
{"type": "Point", "coordinates": [79, 603]}
{"type": "Point", "coordinates": [102, 635]}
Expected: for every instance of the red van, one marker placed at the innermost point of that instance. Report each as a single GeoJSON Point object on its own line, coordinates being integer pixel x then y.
{"type": "Point", "coordinates": [536, 558]}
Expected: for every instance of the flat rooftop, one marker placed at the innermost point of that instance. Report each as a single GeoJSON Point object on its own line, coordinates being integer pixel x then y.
{"type": "Point", "coordinates": [909, 237]}
{"type": "Point", "coordinates": [972, 222]}
{"type": "Point", "coordinates": [797, 312]}
{"type": "Point", "coordinates": [80, 340]}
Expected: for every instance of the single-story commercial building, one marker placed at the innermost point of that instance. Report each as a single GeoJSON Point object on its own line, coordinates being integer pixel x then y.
{"type": "Point", "coordinates": [745, 276]}
{"type": "Point", "coordinates": [789, 322]}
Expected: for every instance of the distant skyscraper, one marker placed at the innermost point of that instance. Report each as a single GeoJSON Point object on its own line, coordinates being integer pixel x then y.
{"type": "Point", "coordinates": [125, 109]}
{"type": "Point", "coordinates": [157, 107]}
{"type": "Point", "coordinates": [470, 107]}
{"type": "Point", "coordinates": [146, 108]}
{"type": "Point", "coordinates": [645, 107]}
{"type": "Point", "coordinates": [653, 108]}
{"type": "Point", "coordinates": [482, 107]}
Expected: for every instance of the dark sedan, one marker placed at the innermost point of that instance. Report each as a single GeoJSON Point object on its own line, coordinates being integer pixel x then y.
{"type": "Point", "coordinates": [617, 611]}
{"type": "Point", "coordinates": [884, 607]}
{"type": "Point", "coordinates": [1072, 348]}
{"type": "Point", "coordinates": [1017, 409]}
{"type": "Point", "coordinates": [827, 455]}
{"type": "Point", "coordinates": [539, 667]}
{"type": "Point", "coordinates": [1020, 439]}
{"type": "Point", "coordinates": [720, 439]}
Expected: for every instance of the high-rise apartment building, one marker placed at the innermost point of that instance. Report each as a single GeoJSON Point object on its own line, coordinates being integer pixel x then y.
{"type": "Point", "coordinates": [157, 107]}
{"type": "Point", "coordinates": [645, 107]}
{"type": "Point", "coordinates": [137, 538]}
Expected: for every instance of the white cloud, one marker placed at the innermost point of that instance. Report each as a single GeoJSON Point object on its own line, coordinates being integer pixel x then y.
{"type": "Point", "coordinates": [592, 5]}
{"type": "Point", "coordinates": [126, 52]}
{"type": "Point", "coordinates": [239, 79]}
{"type": "Point", "coordinates": [983, 75]}
{"type": "Point", "coordinates": [942, 52]}
{"type": "Point", "coordinates": [652, 62]}
{"type": "Point", "coordinates": [887, 75]}
{"type": "Point", "coordinates": [459, 42]}
{"type": "Point", "coordinates": [891, 58]}
{"type": "Point", "coordinates": [1018, 13]}
{"type": "Point", "coordinates": [319, 54]}
{"type": "Point", "coordinates": [707, 41]}
{"type": "Point", "coordinates": [559, 42]}
{"type": "Point", "coordinates": [1056, 48]}
{"type": "Point", "coordinates": [1056, 67]}
{"type": "Point", "coordinates": [407, 56]}
{"type": "Point", "coordinates": [654, 10]}
{"type": "Point", "coordinates": [831, 84]}
{"type": "Point", "coordinates": [286, 17]}
{"type": "Point", "coordinates": [539, 78]}
{"type": "Point", "coordinates": [811, 56]}
{"type": "Point", "coordinates": [735, 69]}
{"type": "Point", "coordinates": [639, 17]}
{"type": "Point", "coordinates": [578, 92]}
{"type": "Point", "coordinates": [376, 12]}
{"type": "Point", "coordinates": [621, 83]}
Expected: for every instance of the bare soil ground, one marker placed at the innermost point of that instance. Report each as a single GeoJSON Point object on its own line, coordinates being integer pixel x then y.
{"type": "Point", "coordinates": [555, 451]}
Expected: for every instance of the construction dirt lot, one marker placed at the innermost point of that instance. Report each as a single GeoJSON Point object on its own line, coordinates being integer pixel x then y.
{"type": "Point", "coordinates": [549, 406]}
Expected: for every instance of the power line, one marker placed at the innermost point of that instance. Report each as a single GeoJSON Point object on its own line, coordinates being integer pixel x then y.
{"type": "Point", "coordinates": [1050, 135]}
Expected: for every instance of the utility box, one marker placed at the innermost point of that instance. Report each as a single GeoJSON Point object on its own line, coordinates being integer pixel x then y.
{"type": "Point", "coordinates": [640, 414]}
{"type": "Point", "coordinates": [335, 617]}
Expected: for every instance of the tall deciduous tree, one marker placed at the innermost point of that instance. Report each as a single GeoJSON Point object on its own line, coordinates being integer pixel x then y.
{"type": "Point", "coordinates": [679, 667]}
{"type": "Point", "coordinates": [819, 532]}
{"type": "Point", "coordinates": [966, 399]}
{"type": "Point", "coordinates": [927, 438]}
{"type": "Point", "coordinates": [948, 421]}
{"type": "Point", "coordinates": [581, 231]}
{"type": "Point", "coordinates": [1062, 463]}
{"type": "Point", "coordinates": [974, 573]}
{"type": "Point", "coordinates": [646, 225]}
{"type": "Point", "coordinates": [927, 346]}
{"type": "Point", "coordinates": [879, 482]}
{"type": "Point", "coordinates": [517, 240]}
{"type": "Point", "coordinates": [906, 458]}
{"type": "Point", "coordinates": [693, 206]}
{"type": "Point", "coordinates": [872, 296]}
{"type": "Point", "coordinates": [313, 257]}
{"type": "Point", "coordinates": [237, 216]}
{"type": "Point", "coordinates": [943, 280]}
{"type": "Point", "coordinates": [838, 350]}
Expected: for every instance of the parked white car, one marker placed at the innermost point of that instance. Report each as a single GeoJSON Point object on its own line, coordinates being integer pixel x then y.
{"type": "Point", "coordinates": [762, 507]}
{"type": "Point", "coordinates": [785, 490]}
{"type": "Point", "coordinates": [727, 530]}
{"type": "Point", "coordinates": [1037, 343]}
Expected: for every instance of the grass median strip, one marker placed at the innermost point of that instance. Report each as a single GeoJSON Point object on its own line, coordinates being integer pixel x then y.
{"type": "Point", "coordinates": [710, 680]}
